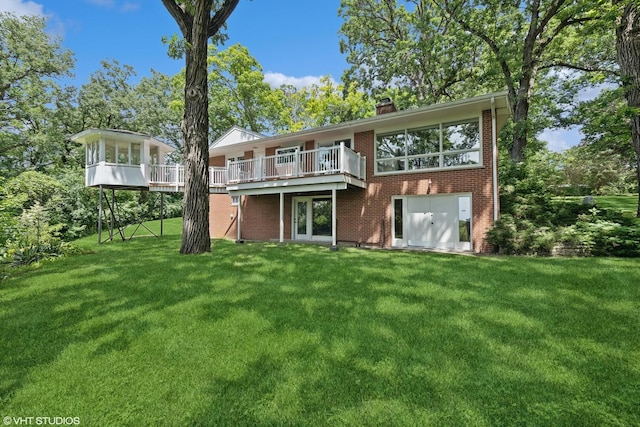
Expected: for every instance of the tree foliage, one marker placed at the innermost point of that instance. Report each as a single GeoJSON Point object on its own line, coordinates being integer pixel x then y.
{"type": "Point", "coordinates": [238, 92]}
{"type": "Point", "coordinates": [434, 49]}
{"type": "Point", "coordinates": [321, 104]}
{"type": "Point", "coordinates": [526, 40]}
{"type": "Point", "coordinates": [411, 49]}
{"type": "Point", "coordinates": [30, 61]}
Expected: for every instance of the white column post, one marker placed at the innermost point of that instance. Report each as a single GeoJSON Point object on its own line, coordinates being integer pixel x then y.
{"type": "Point", "coordinates": [177, 176]}
{"type": "Point", "coordinates": [281, 217]}
{"type": "Point", "coordinates": [334, 221]}
{"type": "Point", "coordinates": [100, 213]}
{"type": "Point", "coordinates": [239, 220]}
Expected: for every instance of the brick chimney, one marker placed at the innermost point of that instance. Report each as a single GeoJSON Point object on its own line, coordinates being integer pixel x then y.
{"type": "Point", "coordinates": [385, 106]}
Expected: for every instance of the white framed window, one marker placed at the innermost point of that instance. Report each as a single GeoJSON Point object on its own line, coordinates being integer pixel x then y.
{"type": "Point", "coordinates": [348, 142]}
{"type": "Point", "coordinates": [235, 159]}
{"type": "Point", "coordinates": [93, 153]}
{"type": "Point", "coordinates": [440, 146]}
{"type": "Point", "coordinates": [286, 155]}
{"type": "Point", "coordinates": [122, 153]}
{"type": "Point", "coordinates": [235, 200]}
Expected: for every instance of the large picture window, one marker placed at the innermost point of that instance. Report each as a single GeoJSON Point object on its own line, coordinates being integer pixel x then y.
{"type": "Point", "coordinates": [445, 145]}
{"type": "Point", "coordinates": [123, 153]}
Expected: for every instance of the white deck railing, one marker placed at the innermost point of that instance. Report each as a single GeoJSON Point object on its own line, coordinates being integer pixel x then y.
{"type": "Point", "coordinates": [321, 161]}
{"type": "Point", "coordinates": [167, 174]}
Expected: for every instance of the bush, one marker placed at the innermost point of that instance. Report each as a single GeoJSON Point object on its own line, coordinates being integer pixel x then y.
{"type": "Point", "coordinates": [521, 237]}
{"type": "Point", "coordinates": [584, 230]}
{"type": "Point", "coordinates": [33, 238]}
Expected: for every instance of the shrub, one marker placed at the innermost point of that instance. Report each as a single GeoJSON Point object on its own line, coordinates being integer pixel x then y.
{"type": "Point", "coordinates": [586, 230]}
{"type": "Point", "coordinates": [33, 238]}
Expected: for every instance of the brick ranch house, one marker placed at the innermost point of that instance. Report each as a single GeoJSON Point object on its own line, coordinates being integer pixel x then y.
{"type": "Point", "coordinates": [424, 178]}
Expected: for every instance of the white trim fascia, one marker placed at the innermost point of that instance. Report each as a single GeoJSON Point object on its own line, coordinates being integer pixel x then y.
{"type": "Point", "coordinates": [232, 129]}
{"type": "Point", "coordinates": [288, 189]}
{"type": "Point", "coordinates": [91, 135]}
{"type": "Point", "coordinates": [299, 184]}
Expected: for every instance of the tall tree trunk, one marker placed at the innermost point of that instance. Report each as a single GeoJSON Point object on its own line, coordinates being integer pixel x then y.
{"type": "Point", "coordinates": [195, 128]}
{"type": "Point", "coordinates": [520, 125]}
{"type": "Point", "coordinates": [628, 50]}
{"type": "Point", "coordinates": [197, 25]}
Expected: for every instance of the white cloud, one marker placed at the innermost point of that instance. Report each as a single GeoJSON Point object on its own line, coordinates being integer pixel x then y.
{"type": "Point", "coordinates": [130, 7]}
{"type": "Point", "coordinates": [103, 3]}
{"type": "Point", "coordinates": [561, 139]}
{"type": "Point", "coordinates": [592, 92]}
{"type": "Point", "coordinates": [126, 6]}
{"type": "Point", "coordinates": [21, 8]}
{"type": "Point", "coordinates": [278, 79]}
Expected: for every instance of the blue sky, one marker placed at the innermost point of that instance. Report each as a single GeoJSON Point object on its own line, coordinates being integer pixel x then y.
{"type": "Point", "coordinates": [289, 38]}
{"type": "Point", "coordinates": [295, 41]}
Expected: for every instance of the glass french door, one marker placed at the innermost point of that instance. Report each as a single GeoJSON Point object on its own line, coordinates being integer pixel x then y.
{"type": "Point", "coordinates": [301, 220]}
{"type": "Point", "coordinates": [311, 218]}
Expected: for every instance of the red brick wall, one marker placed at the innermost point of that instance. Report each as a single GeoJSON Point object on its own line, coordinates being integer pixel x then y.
{"type": "Point", "coordinates": [217, 161]}
{"type": "Point", "coordinates": [261, 217]}
{"type": "Point", "coordinates": [365, 215]}
{"type": "Point", "coordinates": [222, 217]}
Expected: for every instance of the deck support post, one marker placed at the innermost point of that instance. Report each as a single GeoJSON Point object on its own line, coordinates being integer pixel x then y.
{"type": "Point", "coordinates": [161, 213]}
{"type": "Point", "coordinates": [281, 217]}
{"type": "Point", "coordinates": [334, 222]}
{"type": "Point", "coordinates": [100, 213]}
{"type": "Point", "coordinates": [239, 220]}
{"type": "Point", "coordinates": [112, 222]}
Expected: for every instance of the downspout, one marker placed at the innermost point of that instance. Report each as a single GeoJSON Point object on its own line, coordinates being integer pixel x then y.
{"type": "Point", "coordinates": [494, 143]}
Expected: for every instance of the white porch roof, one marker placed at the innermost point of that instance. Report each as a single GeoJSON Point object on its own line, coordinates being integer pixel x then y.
{"type": "Point", "coordinates": [91, 135]}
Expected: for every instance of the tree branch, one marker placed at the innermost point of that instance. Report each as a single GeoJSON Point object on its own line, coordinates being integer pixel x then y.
{"type": "Point", "coordinates": [220, 16]}
{"type": "Point", "coordinates": [492, 45]}
{"type": "Point", "coordinates": [580, 68]}
{"type": "Point", "coordinates": [552, 11]}
{"type": "Point", "coordinates": [561, 26]}
{"type": "Point", "coordinates": [182, 18]}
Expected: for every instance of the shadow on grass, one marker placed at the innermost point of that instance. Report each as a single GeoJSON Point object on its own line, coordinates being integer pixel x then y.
{"type": "Point", "coordinates": [265, 334]}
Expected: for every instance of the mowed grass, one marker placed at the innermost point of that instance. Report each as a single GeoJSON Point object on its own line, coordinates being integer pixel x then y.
{"type": "Point", "coordinates": [626, 203]}
{"type": "Point", "coordinates": [132, 334]}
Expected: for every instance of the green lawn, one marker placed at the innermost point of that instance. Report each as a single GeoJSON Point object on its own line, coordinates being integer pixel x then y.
{"type": "Point", "coordinates": [132, 333]}
{"type": "Point", "coordinates": [627, 204]}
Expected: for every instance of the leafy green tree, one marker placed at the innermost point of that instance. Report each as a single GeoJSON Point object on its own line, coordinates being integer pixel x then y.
{"type": "Point", "coordinates": [158, 107]}
{"type": "Point", "coordinates": [322, 104]}
{"type": "Point", "coordinates": [411, 48]}
{"type": "Point", "coordinates": [198, 20]}
{"type": "Point", "coordinates": [106, 102]}
{"type": "Point", "coordinates": [592, 170]}
{"type": "Point", "coordinates": [30, 60]}
{"type": "Point", "coordinates": [238, 94]}
{"type": "Point", "coordinates": [529, 39]}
